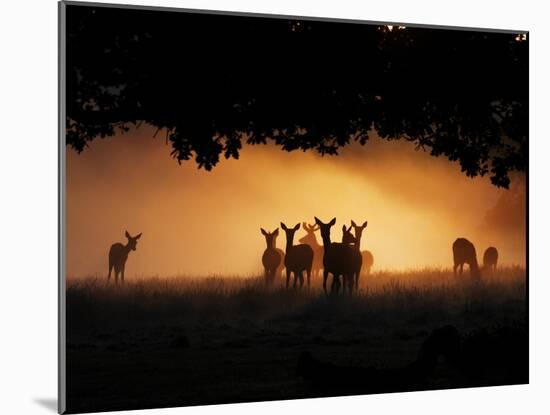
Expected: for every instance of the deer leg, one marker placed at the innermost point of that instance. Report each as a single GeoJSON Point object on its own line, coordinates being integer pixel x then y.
{"type": "Point", "coordinates": [301, 279]}
{"type": "Point", "coordinates": [109, 275]}
{"type": "Point", "coordinates": [461, 270]}
{"type": "Point", "coordinates": [122, 275]}
{"type": "Point", "coordinates": [308, 277]}
{"type": "Point", "coordinates": [325, 276]}
{"type": "Point", "coordinates": [335, 284]}
{"type": "Point", "coordinates": [287, 277]}
{"type": "Point", "coordinates": [344, 282]}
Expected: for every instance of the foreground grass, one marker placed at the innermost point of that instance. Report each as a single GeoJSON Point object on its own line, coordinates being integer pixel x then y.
{"type": "Point", "coordinates": [382, 295]}
{"type": "Point", "coordinates": [185, 341]}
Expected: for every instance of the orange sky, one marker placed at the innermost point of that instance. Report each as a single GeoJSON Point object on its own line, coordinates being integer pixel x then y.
{"type": "Point", "coordinates": [196, 222]}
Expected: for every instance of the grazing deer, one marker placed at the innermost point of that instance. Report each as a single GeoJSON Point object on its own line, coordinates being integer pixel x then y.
{"type": "Point", "coordinates": [349, 240]}
{"type": "Point", "coordinates": [368, 261]}
{"type": "Point", "coordinates": [118, 254]}
{"type": "Point", "coordinates": [311, 240]}
{"type": "Point", "coordinates": [490, 259]}
{"type": "Point", "coordinates": [464, 252]}
{"type": "Point", "coordinates": [298, 258]}
{"type": "Point", "coordinates": [366, 257]}
{"type": "Point", "coordinates": [271, 258]}
{"type": "Point", "coordinates": [338, 259]}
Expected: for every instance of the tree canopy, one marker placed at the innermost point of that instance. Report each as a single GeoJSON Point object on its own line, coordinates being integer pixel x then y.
{"type": "Point", "coordinates": [212, 82]}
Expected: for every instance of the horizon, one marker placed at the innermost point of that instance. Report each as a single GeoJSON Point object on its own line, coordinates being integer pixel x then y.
{"type": "Point", "coordinates": [415, 205]}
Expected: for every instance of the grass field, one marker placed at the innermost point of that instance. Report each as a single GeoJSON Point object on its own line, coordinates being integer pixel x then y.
{"type": "Point", "coordinates": [158, 342]}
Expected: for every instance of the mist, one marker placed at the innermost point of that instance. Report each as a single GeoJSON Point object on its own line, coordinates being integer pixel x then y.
{"type": "Point", "coordinates": [199, 223]}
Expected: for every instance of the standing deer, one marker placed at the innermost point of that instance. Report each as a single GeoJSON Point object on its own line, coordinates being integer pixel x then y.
{"type": "Point", "coordinates": [311, 240]}
{"type": "Point", "coordinates": [271, 258]}
{"type": "Point", "coordinates": [490, 259]}
{"type": "Point", "coordinates": [338, 259]}
{"type": "Point", "coordinates": [464, 252]}
{"type": "Point", "coordinates": [351, 241]}
{"type": "Point", "coordinates": [298, 258]}
{"type": "Point", "coordinates": [367, 258]}
{"type": "Point", "coordinates": [118, 254]}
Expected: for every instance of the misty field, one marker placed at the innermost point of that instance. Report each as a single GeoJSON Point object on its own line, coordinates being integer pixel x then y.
{"type": "Point", "coordinates": [158, 342]}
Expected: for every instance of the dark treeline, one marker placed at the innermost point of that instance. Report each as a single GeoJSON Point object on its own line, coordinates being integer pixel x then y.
{"type": "Point", "coordinates": [213, 82]}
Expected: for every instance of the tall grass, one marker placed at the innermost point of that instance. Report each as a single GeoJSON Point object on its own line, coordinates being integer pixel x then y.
{"type": "Point", "coordinates": [415, 296]}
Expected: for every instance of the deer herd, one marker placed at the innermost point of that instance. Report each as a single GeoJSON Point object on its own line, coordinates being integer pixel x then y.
{"type": "Point", "coordinates": [344, 260]}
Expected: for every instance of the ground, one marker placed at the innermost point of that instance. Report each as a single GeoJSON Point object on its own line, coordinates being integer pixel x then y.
{"type": "Point", "coordinates": [172, 342]}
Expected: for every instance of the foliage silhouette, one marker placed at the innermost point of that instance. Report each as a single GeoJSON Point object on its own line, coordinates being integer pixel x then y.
{"type": "Point", "coordinates": [213, 82]}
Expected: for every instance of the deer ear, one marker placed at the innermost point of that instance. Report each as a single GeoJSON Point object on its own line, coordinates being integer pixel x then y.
{"type": "Point", "coordinates": [137, 237]}
{"type": "Point", "coordinates": [296, 227]}
{"type": "Point", "coordinates": [318, 221]}
{"type": "Point", "coordinates": [283, 226]}
{"type": "Point", "coordinates": [263, 231]}
{"type": "Point", "coordinates": [365, 224]}
{"type": "Point", "coordinates": [304, 225]}
{"type": "Point", "coordinates": [353, 223]}
{"type": "Point", "coordinates": [344, 228]}
{"type": "Point", "coordinates": [127, 234]}
{"type": "Point", "coordinates": [276, 232]}
{"type": "Point", "coordinates": [332, 222]}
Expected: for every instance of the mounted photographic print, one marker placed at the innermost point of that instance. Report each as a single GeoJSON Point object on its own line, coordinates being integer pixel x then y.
{"type": "Point", "coordinates": [258, 207]}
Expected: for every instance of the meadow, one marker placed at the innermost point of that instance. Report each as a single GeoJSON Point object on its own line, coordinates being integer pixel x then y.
{"type": "Point", "coordinates": [159, 342]}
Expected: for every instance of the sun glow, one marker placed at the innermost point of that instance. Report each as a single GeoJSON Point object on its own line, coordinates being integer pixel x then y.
{"type": "Point", "coordinates": [196, 222]}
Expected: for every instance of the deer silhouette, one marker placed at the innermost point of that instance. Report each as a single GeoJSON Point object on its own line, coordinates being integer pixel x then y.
{"type": "Point", "coordinates": [271, 258]}
{"type": "Point", "coordinates": [368, 261]}
{"type": "Point", "coordinates": [118, 254]}
{"type": "Point", "coordinates": [464, 252]}
{"type": "Point", "coordinates": [490, 259]}
{"type": "Point", "coordinates": [311, 240]}
{"type": "Point", "coordinates": [349, 240]}
{"type": "Point", "coordinates": [298, 258]}
{"type": "Point", "coordinates": [366, 257]}
{"type": "Point", "coordinates": [338, 258]}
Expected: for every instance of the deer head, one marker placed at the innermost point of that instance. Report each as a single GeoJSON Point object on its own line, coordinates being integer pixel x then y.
{"type": "Point", "coordinates": [132, 241]}
{"type": "Point", "coordinates": [325, 228]}
{"type": "Point", "coordinates": [358, 230]}
{"type": "Point", "coordinates": [270, 238]}
{"type": "Point", "coordinates": [290, 232]}
{"type": "Point", "coordinates": [347, 236]}
{"type": "Point", "coordinates": [310, 237]}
